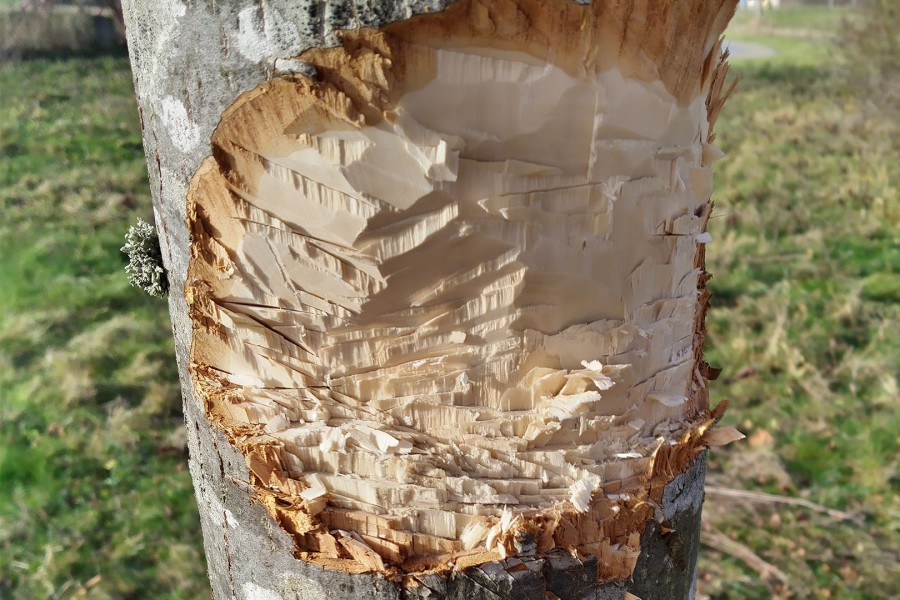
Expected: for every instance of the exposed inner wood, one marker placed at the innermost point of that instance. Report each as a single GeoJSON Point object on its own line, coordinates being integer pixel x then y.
{"type": "Point", "coordinates": [448, 299]}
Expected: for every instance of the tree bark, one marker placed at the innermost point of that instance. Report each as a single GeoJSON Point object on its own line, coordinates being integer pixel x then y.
{"type": "Point", "coordinates": [191, 63]}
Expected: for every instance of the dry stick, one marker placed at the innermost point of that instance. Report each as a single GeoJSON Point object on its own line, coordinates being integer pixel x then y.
{"type": "Point", "coordinates": [775, 498]}
{"type": "Point", "coordinates": [717, 540]}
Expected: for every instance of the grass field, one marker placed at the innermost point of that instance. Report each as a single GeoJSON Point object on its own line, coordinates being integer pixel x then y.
{"type": "Point", "coordinates": [806, 323]}
{"type": "Point", "coordinates": [95, 498]}
{"type": "Point", "coordinates": [94, 489]}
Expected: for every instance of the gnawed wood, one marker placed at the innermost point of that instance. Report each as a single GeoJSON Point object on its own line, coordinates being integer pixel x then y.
{"type": "Point", "coordinates": [458, 279]}
{"type": "Point", "coordinates": [191, 63]}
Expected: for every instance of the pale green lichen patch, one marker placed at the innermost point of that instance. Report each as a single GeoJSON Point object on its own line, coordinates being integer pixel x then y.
{"type": "Point", "coordinates": [145, 269]}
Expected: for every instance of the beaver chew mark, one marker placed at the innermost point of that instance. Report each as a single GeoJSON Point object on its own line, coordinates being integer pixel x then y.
{"type": "Point", "coordinates": [448, 300]}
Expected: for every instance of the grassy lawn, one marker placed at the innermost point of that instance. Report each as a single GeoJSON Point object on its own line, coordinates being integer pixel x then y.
{"type": "Point", "coordinates": [95, 493]}
{"type": "Point", "coordinates": [95, 497]}
{"type": "Point", "coordinates": [794, 21]}
{"type": "Point", "coordinates": [806, 323]}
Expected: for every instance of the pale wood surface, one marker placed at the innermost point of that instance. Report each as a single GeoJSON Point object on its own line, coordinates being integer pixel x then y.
{"type": "Point", "coordinates": [190, 63]}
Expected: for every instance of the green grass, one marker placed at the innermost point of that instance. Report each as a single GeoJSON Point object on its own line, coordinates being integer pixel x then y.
{"type": "Point", "coordinates": [95, 489]}
{"type": "Point", "coordinates": [806, 322]}
{"type": "Point", "coordinates": [803, 37]}
{"type": "Point", "coordinates": [795, 21]}
{"type": "Point", "coordinates": [95, 499]}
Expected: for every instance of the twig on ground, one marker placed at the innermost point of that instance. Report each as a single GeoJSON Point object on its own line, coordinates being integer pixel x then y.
{"type": "Point", "coordinates": [778, 499]}
{"type": "Point", "coordinates": [715, 539]}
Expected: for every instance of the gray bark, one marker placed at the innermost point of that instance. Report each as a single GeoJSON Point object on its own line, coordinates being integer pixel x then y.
{"type": "Point", "coordinates": [190, 62]}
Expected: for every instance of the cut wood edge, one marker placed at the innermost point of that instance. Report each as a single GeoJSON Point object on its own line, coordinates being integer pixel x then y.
{"type": "Point", "coordinates": [606, 519]}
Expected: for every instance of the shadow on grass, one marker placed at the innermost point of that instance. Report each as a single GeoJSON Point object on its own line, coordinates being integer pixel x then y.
{"type": "Point", "coordinates": [58, 55]}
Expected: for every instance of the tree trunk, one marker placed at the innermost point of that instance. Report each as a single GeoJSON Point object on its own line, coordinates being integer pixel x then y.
{"type": "Point", "coordinates": [437, 289]}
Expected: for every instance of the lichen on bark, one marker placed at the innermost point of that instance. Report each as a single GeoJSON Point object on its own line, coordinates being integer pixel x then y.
{"type": "Point", "coordinates": [145, 266]}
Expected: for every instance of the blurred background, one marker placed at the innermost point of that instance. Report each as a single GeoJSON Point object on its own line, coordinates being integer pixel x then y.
{"type": "Point", "coordinates": [95, 497]}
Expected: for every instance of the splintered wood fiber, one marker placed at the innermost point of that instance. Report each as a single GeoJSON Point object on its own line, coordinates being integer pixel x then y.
{"type": "Point", "coordinates": [448, 295]}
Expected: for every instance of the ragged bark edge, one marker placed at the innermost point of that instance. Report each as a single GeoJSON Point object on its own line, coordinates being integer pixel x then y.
{"type": "Point", "coordinates": [565, 527]}
{"type": "Point", "coordinates": [256, 546]}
